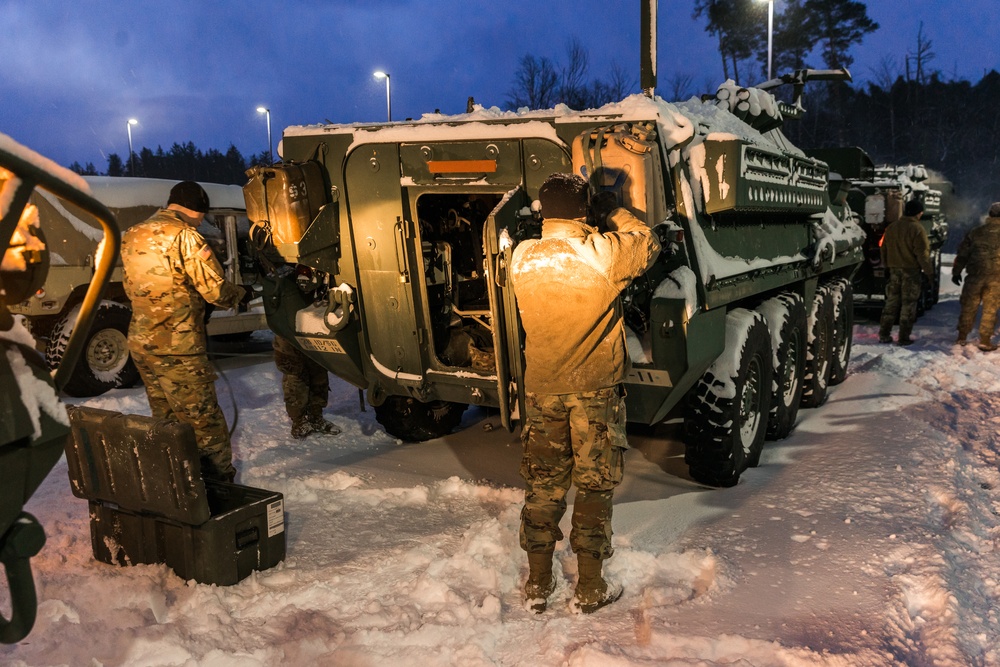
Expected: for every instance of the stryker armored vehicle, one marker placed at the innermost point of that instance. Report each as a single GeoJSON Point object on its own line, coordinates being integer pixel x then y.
{"type": "Point", "coordinates": [34, 424]}
{"type": "Point", "coordinates": [877, 195]}
{"type": "Point", "coordinates": [387, 248]}
{"type": "Point", "coordinates": [73, 237]}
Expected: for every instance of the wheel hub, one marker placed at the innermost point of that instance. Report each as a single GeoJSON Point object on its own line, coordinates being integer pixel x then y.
{"type": "Point", "coordinates": [107, 351]}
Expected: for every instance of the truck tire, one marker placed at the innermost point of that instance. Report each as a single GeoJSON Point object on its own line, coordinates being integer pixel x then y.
{"type": "Point", "coordinates": [819, 344]}
{"type": "Point", "coordinates": [843, 329]}
{"type": "Point", "coordinates": [727, 410]}
{"type": "Point", "coordinates": [105, 362]}
{"type": "Point", "coordinates": [411, 420]}
{"type": "Point", "coordinates": [786, 318]}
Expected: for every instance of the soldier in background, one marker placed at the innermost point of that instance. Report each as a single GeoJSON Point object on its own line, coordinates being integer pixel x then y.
{"type": "Point", "coordinates": [170, 272]}
{"type": "Point", "coordinates": [567, 286]}
{"type": "Point", "coordinates": [306, 389]}
{"type": "Point", "coordinates": [906, 251]}
{"type": "Point", "coordinates": [979, 256]}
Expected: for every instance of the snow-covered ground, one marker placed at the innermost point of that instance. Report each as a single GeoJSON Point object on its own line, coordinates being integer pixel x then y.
{"type": "Point", "coordinates": [868, 537]}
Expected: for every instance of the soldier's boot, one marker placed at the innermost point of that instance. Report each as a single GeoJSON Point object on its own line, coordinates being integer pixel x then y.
{"type": "Point", "coordinates": [904, 334]}
{"type": "Point", "coordinates": [593, 591]}
{"type": "Point", "coordinates": [987, 345]}
{"type": "Point", "coordinates": [321, 425]}
{"type": "Point", "coordinates": [301, 427]}
{"type": "Point", "coordinates": [540, 584]}
{"type": "Point", "coordinates": [961, 340]}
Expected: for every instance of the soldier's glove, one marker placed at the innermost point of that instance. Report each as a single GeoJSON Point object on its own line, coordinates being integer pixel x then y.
{"type": "Point", "coordinates": [956, 278]}
{"type": "Point", "coordinates": [602, 204]}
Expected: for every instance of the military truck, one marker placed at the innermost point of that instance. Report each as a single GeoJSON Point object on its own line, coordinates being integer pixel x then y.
{"type": "Point", "coordinates": [388, 245]}
{"type": "Point", "coordinates": [35, 425]}
{"type": "Point", "coordinates": [73, 237]}
{"type": "Point", "coordinates": [877, 195]}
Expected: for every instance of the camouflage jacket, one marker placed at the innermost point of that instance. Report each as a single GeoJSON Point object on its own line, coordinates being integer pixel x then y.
{"type": "Point", "coordinates": [170, 272]}
{"type": "Point", "coordinates": [905, 246]}
{"type": "Point", "coordinates": [979, 252]}
{"type": "Point", "coordinates": [567, 286]}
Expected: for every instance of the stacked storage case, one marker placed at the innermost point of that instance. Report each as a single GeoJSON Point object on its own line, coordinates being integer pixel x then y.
{"type": "Point", "coordinates": [149, 504]}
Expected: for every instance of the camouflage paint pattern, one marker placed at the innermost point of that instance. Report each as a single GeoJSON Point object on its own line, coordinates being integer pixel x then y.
{"type": "Point", "coordinates": [170, 272]}
{"type": "Point", "coordinates": [305, 384]}
{"type": "Point", "coordinates": [979, 256]}
{"type": "Point", "coordinates": [901, 294]}
{"type": "Point", "coordinates": [976, 290]}
{"type": "Point", "coordinates": [578, 439]}
{"type": "Point", "coordinates": [182, 387]}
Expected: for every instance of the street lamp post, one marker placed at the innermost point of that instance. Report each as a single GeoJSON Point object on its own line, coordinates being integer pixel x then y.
{"type": "Point", "coordinates": [770, 36]}
{"type": "Point", "coordinates": [265, 110]}
{"type": "Point", "coordinates": [128, 128]}
{"type": "Point", "coordinates": [388, 100]}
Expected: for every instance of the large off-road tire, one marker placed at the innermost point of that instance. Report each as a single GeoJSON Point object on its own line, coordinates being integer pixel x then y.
{"type": "Point", "coordinates": [842, 294]}
{"type": "Point", "coordinates": [414, 421]}
{"type": "Point", "coordinates": [786, 319]}
{"type": "Point", "coordinates": [105, 362]}
{"type": "Point", "coordinates": [727, 410]}
{"type": "Point", "coordinates": [819, 348]}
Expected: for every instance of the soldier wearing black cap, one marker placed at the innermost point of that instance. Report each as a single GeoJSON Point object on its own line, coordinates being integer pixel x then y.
{"type": "Point", "coordinates": [170, 272]}
{"type": "Point", "coordinates": [567, 285]}
{"type": "Point", "coordinates": [906, 251]}
{"type": "Point", "coordinates": [979, 256]}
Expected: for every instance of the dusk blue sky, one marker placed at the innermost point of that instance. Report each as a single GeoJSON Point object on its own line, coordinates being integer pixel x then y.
{"type": "Point", "coordinates": [195, 70]}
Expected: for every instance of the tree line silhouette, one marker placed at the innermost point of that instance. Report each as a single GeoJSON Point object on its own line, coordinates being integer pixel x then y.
{"type": "Point", "coordinates": [181, 162]}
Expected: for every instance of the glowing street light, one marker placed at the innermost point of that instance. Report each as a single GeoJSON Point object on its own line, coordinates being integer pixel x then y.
{"type": "Point", "coordinates": [128, 128]}
{"type": "Point", "coordinates": [265, 110]}
{"type": "Point", "coordinates": [770, 32]}
{"type": "Point", "coordinates": [388, 101]}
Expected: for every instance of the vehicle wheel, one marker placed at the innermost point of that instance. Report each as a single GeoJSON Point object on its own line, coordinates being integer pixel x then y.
{"type": "Point", "coordinates": [727, 410]}
{"type": "Point", "coordinates": [786, 318]}
{"type": "Point", "coordinates": [105, 362]}
{"type": "Point", "coordinates": [843, 330]}
{"type": "Point", "coordinates": [414, 421]}
{"type": "Point", "coordinates": [819, 344]}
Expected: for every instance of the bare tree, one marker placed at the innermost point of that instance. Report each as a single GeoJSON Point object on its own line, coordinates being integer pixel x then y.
{"type": "Point", "coordinates": [535, 84]}
{"type": "Point", "coordinates": [920, 58]}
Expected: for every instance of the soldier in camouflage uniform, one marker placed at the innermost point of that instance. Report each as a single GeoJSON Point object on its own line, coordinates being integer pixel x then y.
{"type": "Point", "coordinates": [170, 272]}
{"type": "Point", "coordinates": [906, 251]}
{"type": "Point", "coordinates": [306, 388]}
{"type": "Point", "coordinates": [567, 286]}
{"type": "Point", "coordinates": [979, 256]}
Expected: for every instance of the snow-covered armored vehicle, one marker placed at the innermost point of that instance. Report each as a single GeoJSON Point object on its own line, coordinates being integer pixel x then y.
{"type": "Point", "coordinates": [33, 423]}
{"type": "Point", "coordinates": [73, 237]}
{"type": "Point", "coordinates": [877, 196]}
{"type": "Point", "coordinates": [387, 248]}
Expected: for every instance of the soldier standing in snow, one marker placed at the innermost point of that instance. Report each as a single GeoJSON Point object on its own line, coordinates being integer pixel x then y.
{"type": "Point", "coordinates": [170, 272]}
{"type": "Point", "coordinates": [305, 386]}
{"type": "Point", "coordinates": [979, 256]}
{"type": "Point", "coordinates": [906, 251]}
{"type": "Point", "coordinates": [567, 286]}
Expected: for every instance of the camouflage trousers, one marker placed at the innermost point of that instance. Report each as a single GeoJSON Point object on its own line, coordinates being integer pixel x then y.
{"type": "Point", "coordinates": [182, 387]}
{"type": "Point", "coordinates": [985, 290]}
{"type": "Point", "coordinates": [578, 439]}
{"type": "Point", "coordinates": [305, 384]}
{"type": "Point", "coordinates": [901, 295]}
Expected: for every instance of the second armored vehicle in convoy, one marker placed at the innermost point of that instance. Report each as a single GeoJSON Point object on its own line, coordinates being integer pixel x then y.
{"type": "Point", "coordinates": [387, 247]}
{"type": "Point", "coordinates": [877, 196]}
